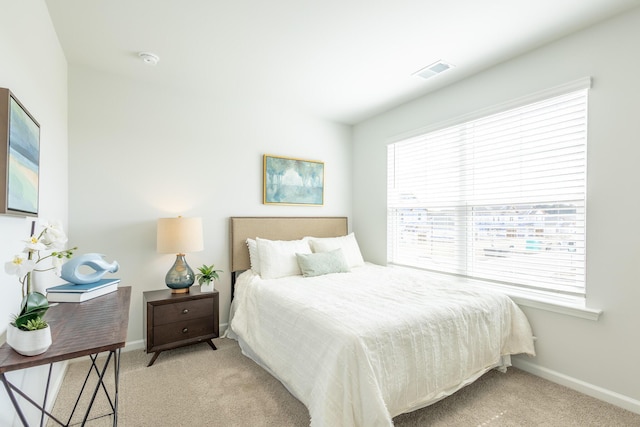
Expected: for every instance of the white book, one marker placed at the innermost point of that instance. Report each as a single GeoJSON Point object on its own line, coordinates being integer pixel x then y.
{"type": "Point", "coordinates": [81, 296]}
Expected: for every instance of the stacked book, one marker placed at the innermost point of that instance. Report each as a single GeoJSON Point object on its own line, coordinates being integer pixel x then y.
{"type": "Point", "coordinates": [71, 292]}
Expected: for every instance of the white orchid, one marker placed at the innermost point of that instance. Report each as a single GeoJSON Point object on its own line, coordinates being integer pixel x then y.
{"type": "Point", "coordinates": [53, 235]}
{"type": "Point", "coordinates": [19, 266]}
{"type": "Point", "coordinates": [34, 304]}
{"type": "Point", "coordinates": [57, 262]}
{"type": "Point", "coordinates": [34, 244]}
{"type": "Point", "coordinates": [51, 238]}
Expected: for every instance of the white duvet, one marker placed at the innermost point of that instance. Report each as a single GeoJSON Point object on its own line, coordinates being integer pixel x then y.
{"type": "Point", "coordinates": [359, 348]}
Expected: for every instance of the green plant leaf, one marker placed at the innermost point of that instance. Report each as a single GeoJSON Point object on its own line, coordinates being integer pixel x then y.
{"type": "Point", "coordinates": [207, 273]}
{"type": "Point", "coordinates": [33, 307]}
{"type": "Point", "coordinates": [35, 324]}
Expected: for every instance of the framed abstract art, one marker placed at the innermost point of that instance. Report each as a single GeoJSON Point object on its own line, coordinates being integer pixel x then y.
{"type": "Point", "coordinates": [19, 157]}
{"type": "Point", "coordinates": [292, 181]}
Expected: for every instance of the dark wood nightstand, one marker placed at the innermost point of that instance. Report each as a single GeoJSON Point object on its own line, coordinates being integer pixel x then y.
{"type": "Point", "coordinates": [175, 320]}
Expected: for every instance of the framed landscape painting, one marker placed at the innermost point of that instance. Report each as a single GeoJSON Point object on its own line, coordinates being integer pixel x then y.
{"type": "Point", "coordinates": [292, 181]}
{"type": "Point", "coordinates": [19, 157]}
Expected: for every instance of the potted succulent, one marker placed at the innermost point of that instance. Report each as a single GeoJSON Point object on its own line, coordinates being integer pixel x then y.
{"type": "Point", "coordinates": [206, 276]}
{"type": "Point", "coordinates": [28, 333]}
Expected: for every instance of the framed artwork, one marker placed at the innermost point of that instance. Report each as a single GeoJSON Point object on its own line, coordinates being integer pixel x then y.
{"type": "Point", "coordinates": [292, 181]}
{"type": "Point", "coordinates": [19, 157]}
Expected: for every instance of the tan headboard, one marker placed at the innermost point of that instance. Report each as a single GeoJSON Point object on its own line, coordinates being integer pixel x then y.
{"type": "Point", "coordinates": [278, 228]}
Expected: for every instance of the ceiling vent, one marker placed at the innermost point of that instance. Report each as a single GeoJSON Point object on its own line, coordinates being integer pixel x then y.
{"type": "Point", "coordinates": [433, 69]}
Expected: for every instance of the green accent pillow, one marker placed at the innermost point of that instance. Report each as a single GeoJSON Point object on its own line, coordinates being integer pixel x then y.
{"type": "Point", "coordinates": [322, 263]}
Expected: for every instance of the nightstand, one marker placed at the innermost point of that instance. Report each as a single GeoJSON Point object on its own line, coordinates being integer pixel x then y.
{"type": "Point", "coordinates": [175, 320]}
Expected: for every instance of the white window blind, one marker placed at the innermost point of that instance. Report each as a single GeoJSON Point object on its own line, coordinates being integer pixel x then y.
{"type": "Point", "coordinates": [500, 198]}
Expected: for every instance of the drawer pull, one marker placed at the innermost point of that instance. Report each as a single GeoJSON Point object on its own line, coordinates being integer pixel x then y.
{"type": "Point", "coordinates": [185, 330]}
{"type": "Point", "coordinates": [185, 311]}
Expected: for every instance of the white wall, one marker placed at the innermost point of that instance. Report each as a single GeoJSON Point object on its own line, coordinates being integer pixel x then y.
{"type": "Point", "coordinates": [33, 67]}
{"type": "Point", "coordinates": [600, 357]}
{"type": "Point", "coordinates": [139, 152]}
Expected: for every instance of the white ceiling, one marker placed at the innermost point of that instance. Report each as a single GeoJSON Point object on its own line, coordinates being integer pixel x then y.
{"type": "Point", "coordinates": [344, 60]}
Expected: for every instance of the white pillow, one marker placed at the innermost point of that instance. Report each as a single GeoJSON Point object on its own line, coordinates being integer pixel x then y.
{"type": "Point", "coordinates": [278, 257]}
{"type": "Point", "coordinates": [347, 243]}
{"type": "Point", "coordinates": [254, 257]}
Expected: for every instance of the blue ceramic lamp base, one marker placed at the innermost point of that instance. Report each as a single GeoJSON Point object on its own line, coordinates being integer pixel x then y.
{"type": "Point", "coordinates": [180, 277]}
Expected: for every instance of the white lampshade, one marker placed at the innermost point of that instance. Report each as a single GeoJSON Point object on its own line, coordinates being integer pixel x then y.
{"type": "Point", "coordinates": [179, 235]}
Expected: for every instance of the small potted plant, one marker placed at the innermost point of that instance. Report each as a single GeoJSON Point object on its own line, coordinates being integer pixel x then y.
{"type": "Point", "coordinates": [28, 333]}
{"type": "Point", "coordinates": [206, 276]}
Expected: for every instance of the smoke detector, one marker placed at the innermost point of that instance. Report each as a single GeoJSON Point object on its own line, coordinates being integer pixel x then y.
{"type": "Point", "coordinates": [149, 58]}
{"type": "Point", "coordinates": [433, 69]}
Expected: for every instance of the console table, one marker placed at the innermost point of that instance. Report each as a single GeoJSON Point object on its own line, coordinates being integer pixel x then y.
{"type": "Point", "coordinates": [77, 329]}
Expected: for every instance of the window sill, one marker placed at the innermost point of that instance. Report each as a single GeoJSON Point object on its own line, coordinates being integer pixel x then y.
{"type": "Point", "coordinates": [569, 310]}
{"type": "Point", "coordinates": [547, 301]}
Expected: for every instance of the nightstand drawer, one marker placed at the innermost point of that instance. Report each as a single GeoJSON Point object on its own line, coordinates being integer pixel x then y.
{"type": "Point", "coordinates": [182, 311]}
{"type": "Point", "coordinates": [183, 330]}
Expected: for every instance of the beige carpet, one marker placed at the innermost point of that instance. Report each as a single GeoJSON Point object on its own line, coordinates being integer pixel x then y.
{"type": "Point", "coordinates": [195, 386]}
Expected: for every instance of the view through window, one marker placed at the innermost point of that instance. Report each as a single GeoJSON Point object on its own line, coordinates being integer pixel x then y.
{"type": "Point", "coordinates": [500, 198]}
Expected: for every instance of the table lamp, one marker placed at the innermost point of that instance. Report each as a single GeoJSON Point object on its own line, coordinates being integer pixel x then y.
{"type": "Point", "coordinates": [179, 236]}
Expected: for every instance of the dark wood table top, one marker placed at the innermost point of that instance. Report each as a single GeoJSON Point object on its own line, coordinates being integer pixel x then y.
{"type": "Point", "coordinates": [78, 329]}
{"type": "Point", "coordinates": [167, 297]}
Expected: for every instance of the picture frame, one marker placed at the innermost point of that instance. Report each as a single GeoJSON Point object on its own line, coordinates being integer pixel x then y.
{"type": "Point", "coordinates": [19, 157]}
{"type": "Point", "coordinates": [291, 181]}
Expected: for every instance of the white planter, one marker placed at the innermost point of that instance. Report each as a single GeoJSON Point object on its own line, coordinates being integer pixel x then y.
{"type": "Point", "coordinates": [207, 287]}
{"type": "Point", "coordinates": [29, 343]}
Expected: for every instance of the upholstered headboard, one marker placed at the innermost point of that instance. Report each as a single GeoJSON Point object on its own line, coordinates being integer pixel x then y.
{"type": "Point", "coordinates": [278, 228]}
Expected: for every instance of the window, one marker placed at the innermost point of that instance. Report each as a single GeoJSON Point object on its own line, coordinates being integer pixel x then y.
{"type": "Point", "coordinates": [500, 198]}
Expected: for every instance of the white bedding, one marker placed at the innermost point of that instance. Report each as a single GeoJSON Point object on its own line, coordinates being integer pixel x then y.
{"type": "Point", "coordinates": [359, 348]}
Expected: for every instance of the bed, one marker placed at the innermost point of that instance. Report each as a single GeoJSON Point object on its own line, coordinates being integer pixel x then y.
{"type": "Point", "coordinates": [355, 342]}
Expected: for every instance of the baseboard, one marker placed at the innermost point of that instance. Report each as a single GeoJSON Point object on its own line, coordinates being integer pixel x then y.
{"type": "Point", "coordinates": [600, 393]}
{"type": "Point", "coordinates": [134, 345]}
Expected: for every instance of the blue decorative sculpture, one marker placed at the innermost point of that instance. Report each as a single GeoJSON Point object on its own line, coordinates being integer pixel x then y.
{"type": "Point", "coordinates": [70, 270]}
